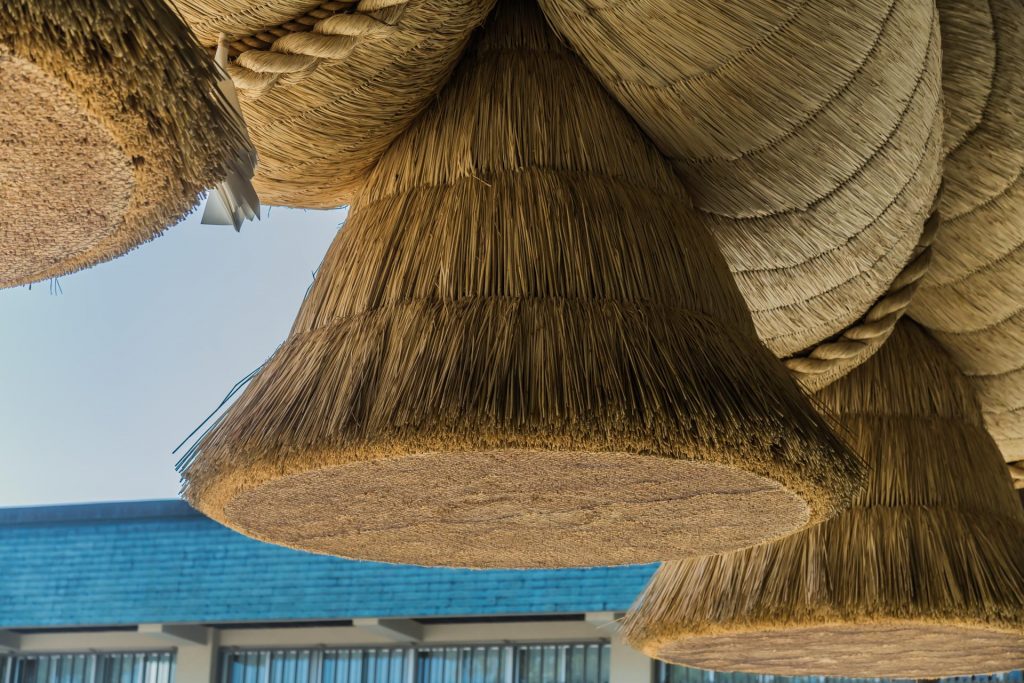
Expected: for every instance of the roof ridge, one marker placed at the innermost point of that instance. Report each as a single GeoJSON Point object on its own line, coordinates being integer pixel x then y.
{"type": "Point", "coordinates": [78, 513]}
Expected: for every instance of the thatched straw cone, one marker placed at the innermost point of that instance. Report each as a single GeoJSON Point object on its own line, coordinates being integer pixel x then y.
{"type": "Point", "coordinates": [922, 577]}
{"type": "Point", "coordinates": [521, 351]}
{"type": "Point", "coordinates": [973, 298]}
{"type": "Point", "coordinates": [327, 85]}
{"type": "Point", "coordinates": [808, 132]}
{"type": "Point", "coordinates": [112, 125]}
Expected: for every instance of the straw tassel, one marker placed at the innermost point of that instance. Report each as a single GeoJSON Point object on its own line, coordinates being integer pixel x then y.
{"type": "Point", "coordinates": [521, 350]}
{"type": "Point", "coordinates": [113, 127]}
{"type": "Point", "coordinates": [923, 577]}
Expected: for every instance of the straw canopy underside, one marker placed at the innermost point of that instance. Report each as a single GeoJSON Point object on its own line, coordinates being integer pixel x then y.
{"type": "Point", "coordinates": [922, 577]}
{"type": "Point", "coordinates": [570, 507]}
{"type": "Point", "coordinates": [808, 133]}
{"type": "Point", "coordinates": [859, 650]}
{"type": "Point", "coordinates": [112, 126]}
{"type": "Point", "coordinates": [973, 298]}
{"type": "Point", "coordinates": [51, 148]}
{"type": "Point", "coordinates": [326, 87]}
{"type": "Point", "coordinates": [522, 344]}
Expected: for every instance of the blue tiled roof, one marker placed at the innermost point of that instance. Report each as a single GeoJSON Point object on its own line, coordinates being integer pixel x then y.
{"type": "Point", "coordinates": [159, 561]}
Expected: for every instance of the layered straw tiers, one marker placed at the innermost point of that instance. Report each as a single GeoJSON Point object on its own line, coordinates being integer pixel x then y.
{"type": "Point", "coordinates": [973, 298]}
{"type": "Point", "coordinates": [808, 132]}
{"type": "Point", "coordinates": [112, 125]}
{"type": "Point", "coordinates": [521, 351]}
{"type": "Point", "coordinates": [327, 86]}
{"type": "Point", "coordinates": [923, 577]}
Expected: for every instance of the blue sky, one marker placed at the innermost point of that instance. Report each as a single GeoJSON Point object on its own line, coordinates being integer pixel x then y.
{"type": "Point", "coordinates": [98, 384]}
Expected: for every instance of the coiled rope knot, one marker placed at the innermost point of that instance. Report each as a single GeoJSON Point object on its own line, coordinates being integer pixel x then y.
{"type": "Point", "coordinates": [296, 49]}
{"type": "Point", "coordinates": [875, 326]}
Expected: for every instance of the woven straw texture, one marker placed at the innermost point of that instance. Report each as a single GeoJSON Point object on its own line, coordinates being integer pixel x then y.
{"type": "Point", "coordinates": [112, 126]}
{"type": "Point", "coordinates": [521, 350]}
{"type": "Point", "coordinates": [326, 87]}
{"type": "Point", "coordinates": [827, 361]}
{"type": "Point", "coordinates": [922, 577]}
{"type": "Point", "coordinates": [808, 132]}
{"type": "Point", "coordinates": [973, 297]}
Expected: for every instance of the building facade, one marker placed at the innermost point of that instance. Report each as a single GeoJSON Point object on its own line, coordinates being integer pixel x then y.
{"type": "Point", "coordinates": [153, 592]}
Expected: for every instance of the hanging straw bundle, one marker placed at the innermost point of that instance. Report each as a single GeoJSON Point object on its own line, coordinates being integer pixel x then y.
{"type": "Point", "coordinates": [973, 298]}
{"type": "Point", "coordinates": [922, 577]}
{"type": "Point", "coordinates": [113, 123]}
{"type": "Point", "coordinates": [808, 132]}
{"type": "Point", "coordinates": [521, 351]}
{"type": "Point", "coordinates": [327, 86]}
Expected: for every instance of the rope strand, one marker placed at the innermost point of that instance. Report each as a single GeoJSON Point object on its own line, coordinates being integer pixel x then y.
{"type": "Point", "coordinates": [292, 51]}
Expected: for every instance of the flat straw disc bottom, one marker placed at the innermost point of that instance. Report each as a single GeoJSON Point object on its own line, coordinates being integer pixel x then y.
{"type": "Point", "coordinates": [909, 650]}
{"type": "Point", "coordinates": [519, 508]}
{"type": "Point", "coordinates": [64, 181]}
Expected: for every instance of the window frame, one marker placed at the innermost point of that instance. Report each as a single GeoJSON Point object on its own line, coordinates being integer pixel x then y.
{"type": "Point", "coordinates": [94, 658]}
{"type": "Point", "coordinates": [411, 654]}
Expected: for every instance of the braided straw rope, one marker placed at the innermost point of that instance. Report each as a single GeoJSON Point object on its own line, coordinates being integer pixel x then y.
{"type": "Point", "coordinates": [293, 51]}
{"type": "Point", "coordinates": [326, 87]}
{"type": "Point", "coordinates": [807, 131]}
{"type": "Point", "coordinates": [922, 577]}
{"type": "Point", "coordinates": [522, 350]}
{"type": "Point", "coordinates": [972, 299]}
{"type": "Point", "coordinates": [830, 360]}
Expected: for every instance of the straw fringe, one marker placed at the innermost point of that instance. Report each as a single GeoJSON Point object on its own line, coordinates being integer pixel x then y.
{"type": "Point", "coordinates": [973, 297]}
{"type": "Point", "coordinates": [324, 104]}
{"type": "Point", "coordinates": [934, 539]}
{"type": "Point", "coordinates": [522, 271]}
{"type": "Point", "coordinates": [808, 133]}
{"type": "Point", "coordinates": [133, 71]}
{"type": "Point", "coordinates": [359, 401]}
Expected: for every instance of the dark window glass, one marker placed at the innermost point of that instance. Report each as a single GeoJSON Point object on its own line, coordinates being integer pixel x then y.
{"type": "Point", "coordinates": [108, 667]}
{"type": "Point", "coordinates": [333, 665]}
{"type": "Point", "coordinates": [569, 663]}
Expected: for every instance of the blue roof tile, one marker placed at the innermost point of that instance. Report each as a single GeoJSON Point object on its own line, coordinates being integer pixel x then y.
{"type": "Point", "coordinates": [159, 561]}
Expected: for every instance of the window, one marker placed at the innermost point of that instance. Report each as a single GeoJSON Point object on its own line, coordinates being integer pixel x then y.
{"type": "Point", "coordinates": [110, 667]}
{"type": "Point", "coordinates": [365, 665]}
{"type": "Point", "coordinates": [670, 673]}
{"type": "Point", "coordinates": [514, 664]}
{"type": "Point", "coordinates": [562, 663]}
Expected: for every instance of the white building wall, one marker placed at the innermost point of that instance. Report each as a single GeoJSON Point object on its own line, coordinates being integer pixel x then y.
{"type": "Point", "coordinates": [197, 662]}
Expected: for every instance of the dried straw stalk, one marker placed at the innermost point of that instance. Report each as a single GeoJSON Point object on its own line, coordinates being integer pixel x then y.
{"type": "Point", "coordinates": [922, 577]}
{"type": "Point", "coordinates": [113, 124]}
{"type": "Point", "coordinates": [973, 298]}
{"type": "Point", "coordinates": [521, 351]}
{"type": "Point", "coordinates": [327, 86]}
{"type": "Point", "coordinates": [808, 132]}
